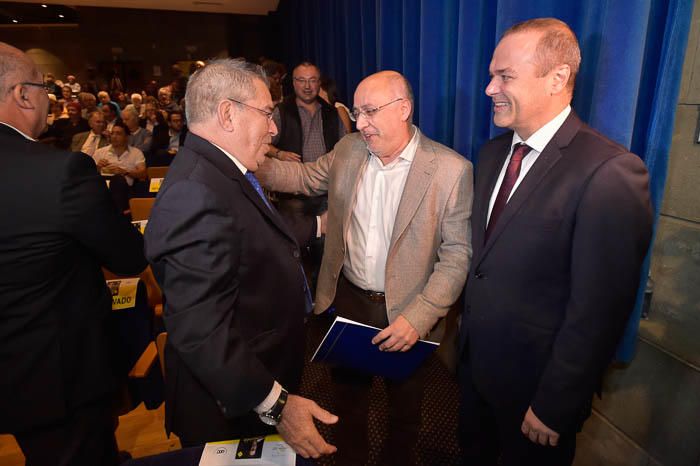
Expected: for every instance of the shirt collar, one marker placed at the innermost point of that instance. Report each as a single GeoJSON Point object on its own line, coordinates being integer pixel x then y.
{"type": "Point", "coordinates": [540, 138]}
{"type": "Point", "coordinates": [20, 132]}
{"type": "Point", "coordinates": [409, 152]}
{"type": "Point", "coordinates": [240, 166]}
{"type": "Point", "coordinates": [111, 149]}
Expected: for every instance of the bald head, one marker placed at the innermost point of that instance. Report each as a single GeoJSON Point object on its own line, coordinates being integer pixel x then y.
{"type": "Point", "coordinates": [383, 106]}
{"type": "Point", "coordinates": [15, 67]}
{"type": "Point", "coordinates": [24, 103]}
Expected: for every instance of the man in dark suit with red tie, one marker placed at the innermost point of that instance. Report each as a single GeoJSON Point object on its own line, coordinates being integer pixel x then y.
{"type": "Point", "coordinates": [231, 274]}
{"type": "Point", "coordinates": [58, 369]}
{"type": "Point", "coordinates": [561, 224]}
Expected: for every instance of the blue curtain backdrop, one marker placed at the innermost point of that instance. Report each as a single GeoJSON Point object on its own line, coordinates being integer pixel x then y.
{"type": "Point", "coordinates": [628, 85]}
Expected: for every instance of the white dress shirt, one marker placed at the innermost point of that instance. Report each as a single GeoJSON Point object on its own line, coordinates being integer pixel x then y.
{"type": "Point", "coordinates": [128, 160]}
{"type": "Point", "coordinates": [537, 142]}
{"type": "Point", "coordinates": [91, 144]}
{"type": "Point", "coordinates": [373, 215]}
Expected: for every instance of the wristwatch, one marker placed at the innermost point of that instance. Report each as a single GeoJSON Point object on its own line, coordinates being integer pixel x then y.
{"type": "Point", "coordinates": [273, 416]}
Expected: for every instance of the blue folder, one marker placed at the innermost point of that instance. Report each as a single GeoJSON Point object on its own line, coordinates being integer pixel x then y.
{"type": "Point", "coordinates": [349, 344]}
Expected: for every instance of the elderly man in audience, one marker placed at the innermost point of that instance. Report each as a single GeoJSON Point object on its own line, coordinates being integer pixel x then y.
{"type": "Point", "coordinates": [89, 141]}
{"type": "Point", "coordinates": [139, 138]}
{"type": "Point", "coordinates": [230, 270]}
{"type": "Point", "coordinates": [119, 158]}
{"type": "Point", "coordinates": [88, 102]}
{"type": "Point", "coordinates": [57, 344]}
{"type": "Point", "coordinates": [73, 84]}
{"type": "Point", "coordinates": [104, 99]}
{"type": "Point", "coordinates": [165, 100]}
{"type": "Point", "coordinates": [152, 116]}
{"type": "Point", "coordinates": [397, 249]}
{"type": "Point", "coordinates": [137, 104]}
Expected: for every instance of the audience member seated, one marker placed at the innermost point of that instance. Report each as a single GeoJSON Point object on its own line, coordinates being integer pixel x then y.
{"type": "Point", "coordinates": [88, 102]}
{"type": "Point", "coordinates": [89, 141]}
{"type": "Point", "coordinates": [121, 100]}
{"type": "Point", "coordinates": [274, 71]}
{"type": "Point", "coordinates": [104, 98]}
{"type": "Point", "coordinates": [51, 86]}
{"type": "Point", "coordinates": [74, 85]}
{"type": "Point", "coordinates": [165, 100]}
{"type": "Point", "coordinates": [137, 104]}
{"type": "Point", "coordinates": [111, 112]}
{"type": "Point", "coordinates": [65, 128]}
{"type": "Point", "coordinates": [66, 94]}
{"type": "Point", "coordinates": [119, 158]}
{"type": "Point", "coordinates": [139, 138]}
{"type": "Point", "coordinates": [167, 140]}
{"type": "Point", "coordinates": [152, 116]}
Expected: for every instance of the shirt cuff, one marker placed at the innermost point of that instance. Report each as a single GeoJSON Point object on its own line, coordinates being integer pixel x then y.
{"type": "Point", "coordinates": [270, 400]}
{"type": "Point", "coordinates": [318, 226]}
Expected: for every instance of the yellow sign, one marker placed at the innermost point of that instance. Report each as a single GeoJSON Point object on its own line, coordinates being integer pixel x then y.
{"type": "Point", "coordinates": [140, 225]}
{"type": "Point", "coordinates": [123, 292]}
{"type": "Point", "coordinates": [154, 187]}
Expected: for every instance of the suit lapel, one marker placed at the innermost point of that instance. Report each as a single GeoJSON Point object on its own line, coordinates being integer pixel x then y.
{"type": "Point", "coordinates": [547, 159]}
{"type": "Point", "coordinates": [228, 168]}
{"type": "Point", "coordinates": [417, 182]}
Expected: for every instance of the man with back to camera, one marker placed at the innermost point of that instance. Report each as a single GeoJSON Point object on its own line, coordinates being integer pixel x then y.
{"type": "Point", "coordinates": [397, 249]}
{"type": "Point", "coordinates": [58, 384]}
{"type": "Point", "coordinates": [562, 222]}
{"type": "Point", "coordinates": [231, 274]}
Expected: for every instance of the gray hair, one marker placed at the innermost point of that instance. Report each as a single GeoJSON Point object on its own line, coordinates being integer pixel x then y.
{"type": "Point", "coordinates": [130, 109]}
{"type": "Point", "coordinates": [220, 79]}
{"type": "Point", "coordinates": [15, 67]}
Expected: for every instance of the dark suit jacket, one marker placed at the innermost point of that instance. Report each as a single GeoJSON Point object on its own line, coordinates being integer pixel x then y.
{"type": "Point", "coordinates": [549, 294]}
{"type": "Point", "coordinates": [58, 227]}
{"type": "Point", "coordinates": [80, 138]}
{"type": "Point", "coordinates": [231, 276]}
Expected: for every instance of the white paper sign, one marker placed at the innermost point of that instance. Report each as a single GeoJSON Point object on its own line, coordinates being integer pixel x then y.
{"type": "Point", "coordinates": [257, 451]}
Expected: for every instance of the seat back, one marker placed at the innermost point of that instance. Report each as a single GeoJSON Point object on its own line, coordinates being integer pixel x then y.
{"type": "Point", "coordinates": [157, 172]}
{"type": "Point", "coordinates": [161, 339]}
{"type": "Point", "coordinates": [141, 207]}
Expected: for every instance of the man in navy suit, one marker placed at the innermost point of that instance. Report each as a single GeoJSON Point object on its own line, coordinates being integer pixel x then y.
{"type": "Point", "coordinates": [561, 225]}
{"type": "Point", "coordinates": [57, 343]}
{"type": "Point", "coordinates": [231, 273]}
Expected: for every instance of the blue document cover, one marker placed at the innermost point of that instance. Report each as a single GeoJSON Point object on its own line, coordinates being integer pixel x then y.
{"type": "Point", "coordinates": [349, 344]}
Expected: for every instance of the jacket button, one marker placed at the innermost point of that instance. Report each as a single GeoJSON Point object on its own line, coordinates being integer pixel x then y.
{"type": "Point", "coordinates": [478, 275]}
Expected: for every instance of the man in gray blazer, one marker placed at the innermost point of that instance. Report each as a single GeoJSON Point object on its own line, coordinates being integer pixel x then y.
{"type": "Point", "coordinates": [89, 141]}
{"type": "Point", "coordinates": [397, 247]}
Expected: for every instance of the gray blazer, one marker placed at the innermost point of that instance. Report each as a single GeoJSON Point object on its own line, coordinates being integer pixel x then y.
{"type": "Point", "coordinates": [430, 248]}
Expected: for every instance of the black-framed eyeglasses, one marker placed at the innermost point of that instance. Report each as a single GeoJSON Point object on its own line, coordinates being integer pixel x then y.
{"type": "Point", "coordinates": [369, 112]}
{"type": "Point", "coordinates": [267, 114]}
{"type": "Point", "coordinates": [310, 81]}
{"type": "Point", "coordinates": [41, 85]}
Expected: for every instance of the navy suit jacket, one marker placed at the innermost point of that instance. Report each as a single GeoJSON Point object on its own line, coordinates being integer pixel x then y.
{"type": "Point", "coordinates": [232, 280]}
{"type": "Point", "coordinates": [59, 227]}
{"type": "Point", "coordinates": [549, 294]}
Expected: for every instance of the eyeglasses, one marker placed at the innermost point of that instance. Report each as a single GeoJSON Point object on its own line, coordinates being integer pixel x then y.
{"type": "Point", "coordinates": [267, 114]}
{"type": "Point", "coordinates": [41, 85]}
{"type": "Point", "coordinates": [310, 81]}
{"type": "Point", "coordinates": [369, 112]}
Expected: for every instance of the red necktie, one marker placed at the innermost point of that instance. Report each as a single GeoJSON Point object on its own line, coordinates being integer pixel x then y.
{"type": "Point", "coordinates": [520, 150]}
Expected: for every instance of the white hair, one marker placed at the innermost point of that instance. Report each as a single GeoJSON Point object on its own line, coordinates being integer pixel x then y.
{"type": "Point", "coordinates": [219, 80]}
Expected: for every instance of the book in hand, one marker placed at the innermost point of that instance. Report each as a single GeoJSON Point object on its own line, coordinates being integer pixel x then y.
{"type": "Point", "coordinates": [349, 344]}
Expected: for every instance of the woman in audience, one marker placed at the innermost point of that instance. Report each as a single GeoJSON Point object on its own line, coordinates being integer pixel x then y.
{"type": "Point", "coordinates": [328, 93]}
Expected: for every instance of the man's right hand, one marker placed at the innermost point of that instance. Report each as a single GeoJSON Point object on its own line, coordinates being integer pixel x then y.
{"type": "Point", "coordinates": [298, 430]}
{"type": "Point", "coordinates": [287, 156]}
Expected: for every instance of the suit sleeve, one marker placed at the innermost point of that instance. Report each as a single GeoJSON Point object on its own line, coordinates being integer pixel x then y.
{"type": "Point", "coordinates": [193, 244]}
{"type": "Point", "coordinates": [310, 179]}
{"type": "Point", "coordinates": [453, 257]}
{"type": "Point", "coordinates": [610, 241]}
{"type": "Point", "coordinates": [89, 215]}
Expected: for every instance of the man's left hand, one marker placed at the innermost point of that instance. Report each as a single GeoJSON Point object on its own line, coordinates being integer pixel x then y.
{"type": "Point", "coordinates": [399, 336]}
{"type": "Point", "coordinates": [536, 431]}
